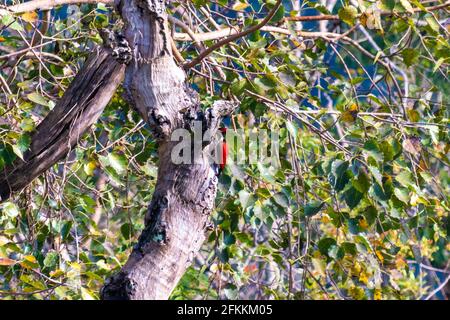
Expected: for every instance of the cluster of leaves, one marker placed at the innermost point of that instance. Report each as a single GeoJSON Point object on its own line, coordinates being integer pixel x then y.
{"type": "Point", "coordinates": [332, 222]}
{"type": "Point", "coordinates": [72, 227]}
{"type": "Point", "coordinates": [357, 207]}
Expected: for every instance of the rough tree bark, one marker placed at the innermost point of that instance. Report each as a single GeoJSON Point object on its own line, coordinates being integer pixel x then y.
{"type": "Point", "coordinates": [184, 194]}
{"type": "Point", "coordinates": [80, 107]}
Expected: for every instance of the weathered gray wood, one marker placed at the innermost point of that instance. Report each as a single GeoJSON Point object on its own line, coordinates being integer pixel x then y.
{"type": "Point", "coordinates": [184, 194]}
{"type": "Point", "coordinates": [80, 107]}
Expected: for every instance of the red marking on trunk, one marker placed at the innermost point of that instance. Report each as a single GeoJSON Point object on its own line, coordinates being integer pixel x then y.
{"type": "Point", "coordinates": [223, 162]}
{"type": "Point", "coordinates": [224, 155]}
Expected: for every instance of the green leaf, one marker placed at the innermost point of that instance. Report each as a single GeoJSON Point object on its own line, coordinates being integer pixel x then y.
{"type": "Point", "coordinates": [387, 5]}
{"type": "Point", "coordinates": [325, 244]}
{"type": "Point", "coordinates": [118, 162]}
{"type": "Point", "coordinates": [27, 125]}
{"type": "Point", "coordinates": [51, 259]}
{"type": "Point", "coordinates": [37, 98]}
{"type": "Point", "coordinates": [278, 15]}
{"type": "Point", "coordinates": [22, 145]}
{"type": "Point", "coordinates": [9, 20]}
{"type": "Point", "coordinates": [336, 252]}
{"type": "Point", "coordinates": [373, 150]}
{"type": "Point", "coordinates": [229, 239]}
{"type": "Point", "coordinates": [405, 178]}
{"type": "Point", "coordinates": [339, 176]}
{"type": "Point", "coordinates": [245, 199]}
{"type": "Point", "coordinates": [238, 86]}
{"type": "Point", "coordinates": [349, 248]}
{"type": "Point", "coordinates": [352, 197]}
{"type": "Point", "coordinates": [125, 230]}
{"type": "Point", "coordinates": [361, 182]}
{"type": "Point", "coordinates": [65, 229]}
{"type": "Point", "coordinates": [376, 175]}
{"type": "Point", "coordinates": [86, 294]}
{"type": "Point", "coordinates": [281, 199]}
{"type": "Point", "coordinates": [432, 22]}
{"type": "Point", "coordinates": [267, 173]}
{"type": "Point", "coordinates": [439, 63]}
{"type": "Point", "coordinates": [410, 56]}
{"type": "Point", "coordinates": [370, 213]}
{"type": "Point", "coordinates": [17, 151]}
{"type": "Point", "coordinates": [402, 195]}
{"type": "Point", "coordinates": [102, 7]}
{"type": "Point", "coordinates": [10, 209]}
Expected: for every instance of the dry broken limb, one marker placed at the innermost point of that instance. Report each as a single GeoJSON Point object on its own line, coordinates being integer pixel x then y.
{"type": "Point", "coordinates": [79, 108]}
{"type": "Point", "coordinates": [156, 87]}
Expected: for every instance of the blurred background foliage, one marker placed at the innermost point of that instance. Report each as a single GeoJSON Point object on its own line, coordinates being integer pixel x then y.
{"type": "Point", "coordinates": [357, 209]}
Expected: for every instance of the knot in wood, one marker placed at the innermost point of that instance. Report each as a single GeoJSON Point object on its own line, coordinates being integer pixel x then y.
{"type": "Point", "coordinates": [157, 7]}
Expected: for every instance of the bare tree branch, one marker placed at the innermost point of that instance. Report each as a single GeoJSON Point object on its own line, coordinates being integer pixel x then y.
{"type": "Point", "coordinates": [234, 37]}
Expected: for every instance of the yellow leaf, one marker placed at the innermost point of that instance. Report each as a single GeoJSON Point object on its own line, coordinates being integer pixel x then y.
{"type": "Point", "coordinates": [350, 114]}
{"type": "Point", "coordinates": [238, 6]}
{"type": "Point", "coordinates": [423, 165]}
{"type": "Point", "coordinates": [272, 48]}
{"type": "Point", "coordinates": [7, 262]}
{"type": "Point", "coordinates": [30, 16]}
{"type": "Point", "coordinates": [214, 267]}
{"type": "Point", "coordinates": [363, 278]}
{"type": "Point", "coordinates": [2, 39]}
{"type": "Point", "coordinates": [363, 19]}
{"type": "Point", "coordinates": [356, 292]}
{"type": "Point", "coordinates": [363, 224]}
{"type": "Point", "coordinates": [377, 56]}
{"type": "Point", "coordinates": [325, 219]}
{"type": "Point", "coordinates": [356, 269]}
{"type": "Point", "coordinates": [29, 262]}
{"type": "Point", "coordinates": [400, 263]}
{"type": "Point", "coordinates": [413, 115]}
{"type": "Point", "coordinates": [377, 294]}
{"type": "Point", "coordinates": [407, 6]}
{"type": "Point", "coordinates": [90, 167]}
{"type": "Point", "coordinates": [3, 241]}
{"type": "Point", "coordinates": [75, 266]}
{"type": "Point", "coordinates": [379, 255]}
{"type": "Point", "coordinates": [30, 258]}
{"type": "Point", "coordinates": [57, 273]}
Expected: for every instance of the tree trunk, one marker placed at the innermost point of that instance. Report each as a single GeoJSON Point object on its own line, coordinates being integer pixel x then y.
{"type": "Point", "coordinates": [184, 194]}
{"type": "Point", "coordinates": [80, 107]}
